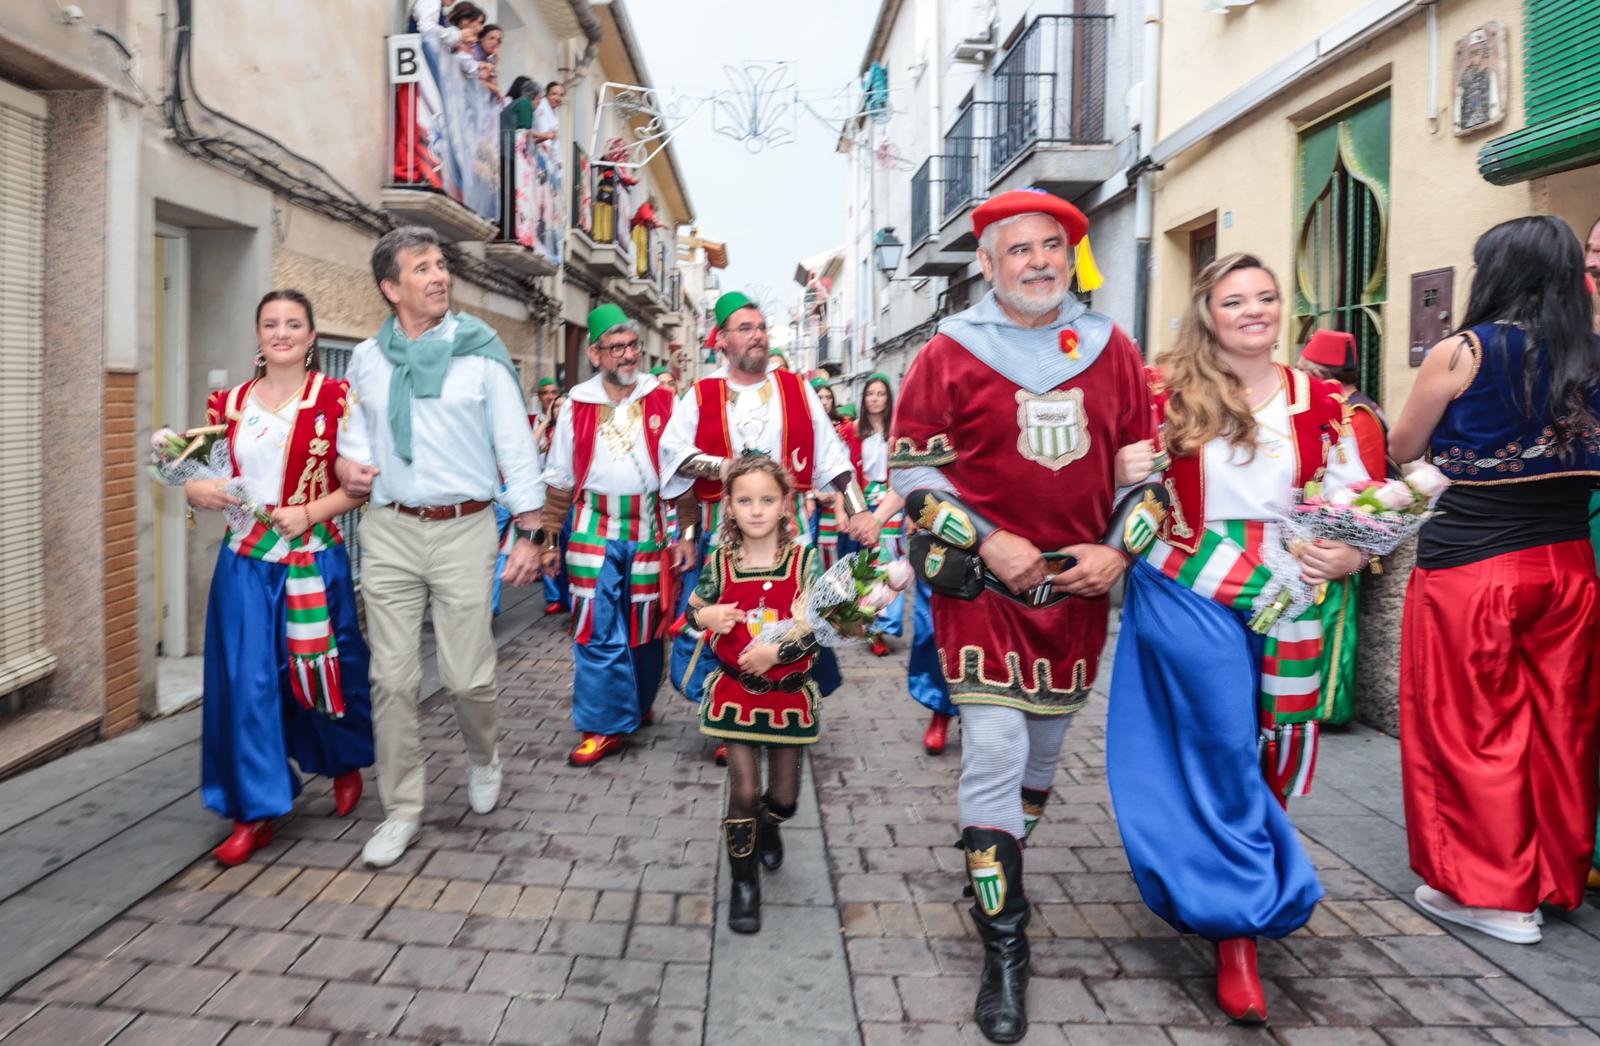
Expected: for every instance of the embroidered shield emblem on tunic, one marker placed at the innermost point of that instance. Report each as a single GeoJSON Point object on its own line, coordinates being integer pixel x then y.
{"type": "Point", "coordinates": [988, 880]}
{"type": "Point", "coordinates": [1143, 525]}
{"type": "Point", "coordinates": [1054, 428]}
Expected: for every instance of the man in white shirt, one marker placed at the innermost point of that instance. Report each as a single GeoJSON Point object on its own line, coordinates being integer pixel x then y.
{"type": "Point", "coordinates": [605, 456]}
{"type": "Point", "coordinates": [439, 418]}
{"type": "Point", "coordinates": [752, 403]}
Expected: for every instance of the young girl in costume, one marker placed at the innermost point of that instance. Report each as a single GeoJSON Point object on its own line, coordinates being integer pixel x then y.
{"type": "Point", "coordinates": [285, 664]}
{"type": "Point", "coordinates": [760, 694]}
{"type": "Point", "coordinates": [1500, 644]}
{"type": "Point", "coordinates": [1200, 703]}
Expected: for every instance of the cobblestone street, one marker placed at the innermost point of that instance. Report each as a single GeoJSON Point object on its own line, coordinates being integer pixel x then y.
{"type": "Point", "coordinates": [582, 911]}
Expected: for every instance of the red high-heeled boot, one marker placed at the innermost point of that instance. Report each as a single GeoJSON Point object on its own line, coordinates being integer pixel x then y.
{"type": "Point", "coordinates": [1239, 991]}
{"type": "Point", "coordinates": [938, 732]}
{"type": "Point", "coordinates": [245, 840]}
{"type": "Point", "coordinates": [346, 792]}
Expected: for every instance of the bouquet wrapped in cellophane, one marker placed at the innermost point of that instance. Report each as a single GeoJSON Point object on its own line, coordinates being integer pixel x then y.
{"type": "Point", "coordinates": [843, 604]}
{"type": "Point", "coordinates": [1376, 516]}
{"type": "Point", "coordinates": [202, 453]}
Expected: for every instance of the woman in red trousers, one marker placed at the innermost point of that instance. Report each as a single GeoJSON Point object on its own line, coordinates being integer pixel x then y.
{"type": "Point", "coordinates": [1500, 652]}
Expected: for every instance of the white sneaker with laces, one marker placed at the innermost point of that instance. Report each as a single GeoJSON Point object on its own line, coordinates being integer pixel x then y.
{"type": "Point", "coordinates": [483, 787]}
{"type": "Point", "coordinates": [1513, 927]}
{"type": "Point", "coordinates": [389, 841]}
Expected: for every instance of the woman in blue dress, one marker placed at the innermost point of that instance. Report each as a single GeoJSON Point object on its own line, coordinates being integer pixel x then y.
{"type": "Point", "coordinates": [285, 664]}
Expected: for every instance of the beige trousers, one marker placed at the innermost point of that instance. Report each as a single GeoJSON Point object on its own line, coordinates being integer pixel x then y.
{"type": "Point", "coordinates": [406, 563]}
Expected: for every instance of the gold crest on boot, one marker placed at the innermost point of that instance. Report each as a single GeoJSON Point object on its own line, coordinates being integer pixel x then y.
{"type": "Point", "coordinates": [988, 880]}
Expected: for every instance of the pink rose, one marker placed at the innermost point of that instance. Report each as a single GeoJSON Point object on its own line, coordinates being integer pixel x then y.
{"type": "Point", "coordinates": [1425, 479]}
{"type": "Point", "coordinates": [160, 438]}
{"type": "Point", "coordinates": [1342, 497]}
{"type": "Point", "coordinates": [878, 597]}
{"type": "Point", "coordinates": [1395, 495]}
{"type": "Point", "coordinates": [898, 575]}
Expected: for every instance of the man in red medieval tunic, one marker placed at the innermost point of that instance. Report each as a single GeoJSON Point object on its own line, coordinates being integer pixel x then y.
{"type": "Point", "coordinates": [1014, 412]}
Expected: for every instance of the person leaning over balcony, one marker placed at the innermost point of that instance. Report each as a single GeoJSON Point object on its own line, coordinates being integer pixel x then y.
{"type": "Point", "coordinates": [284, 427]}
{"type": "Point", "coordinates": [439, 420]}
{"type": "Point", "coordinates": [546, 124]}
{"type": "Point", "coordinates": [609, 181]}
{"type": "Point", "coordinates": [1500, 645]}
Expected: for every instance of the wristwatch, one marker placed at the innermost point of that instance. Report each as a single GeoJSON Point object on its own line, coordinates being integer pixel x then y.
{"type": "Point", "coordinates": [539, 536]}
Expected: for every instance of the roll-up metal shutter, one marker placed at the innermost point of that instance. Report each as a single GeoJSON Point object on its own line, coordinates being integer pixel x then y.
{"type": "Point", "coordinates": [23, 656]}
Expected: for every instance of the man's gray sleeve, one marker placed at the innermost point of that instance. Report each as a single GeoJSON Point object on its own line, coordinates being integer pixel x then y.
{"type": "Point", "coordinates": [904, 481]}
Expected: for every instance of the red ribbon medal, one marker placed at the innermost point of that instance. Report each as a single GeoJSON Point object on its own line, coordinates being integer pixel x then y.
{"type": "Point", "coordinates": [1069, 343]}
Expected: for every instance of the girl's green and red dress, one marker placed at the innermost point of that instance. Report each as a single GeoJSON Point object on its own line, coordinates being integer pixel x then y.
{"type": "Point", "coordinates": [785, 713]}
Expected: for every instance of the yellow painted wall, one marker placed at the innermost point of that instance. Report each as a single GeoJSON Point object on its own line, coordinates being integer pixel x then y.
{"type": "Point", "coordinates": [1439, 203]}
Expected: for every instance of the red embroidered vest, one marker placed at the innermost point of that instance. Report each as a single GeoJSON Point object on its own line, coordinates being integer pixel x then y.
{"type": "Point", "coordinates": [313, 442]}
{"type": "Point", "coordinates": [763, 598]}
{"type": "Point", "coordinates": [1317, 417]}
{"type": "Point", "coordinates": [586, 423]}
{"type": "Point", "coordinates": [712, 437]}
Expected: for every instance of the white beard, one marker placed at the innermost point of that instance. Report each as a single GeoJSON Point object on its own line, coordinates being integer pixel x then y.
{"type": "Point", "coordinates": [1032, 306]}
{"type": "Point", "coordinates": [626, 381]}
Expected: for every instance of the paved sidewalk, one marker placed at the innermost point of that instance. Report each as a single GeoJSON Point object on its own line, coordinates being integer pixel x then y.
{"type": "Point", "coordinates": [1368, 969]}
{"type": "Point", "coordinates": [582, 911]}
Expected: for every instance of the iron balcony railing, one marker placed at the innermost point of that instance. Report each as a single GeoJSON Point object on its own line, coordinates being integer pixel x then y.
{"type": "Point", "coordinates": [922, 203]}
{"type": "Point", "coordinates": [967, 157]}
{"type": "Point", "coordinates": [1050, 88]}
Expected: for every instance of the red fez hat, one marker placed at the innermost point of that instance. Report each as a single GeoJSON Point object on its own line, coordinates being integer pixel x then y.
{"type": "Point", "coordinates": [1037, 201]}
{"type": "Point", "coordinates": [1030, 201]}
{"type": "Point", "coordinates": [1333, 349]}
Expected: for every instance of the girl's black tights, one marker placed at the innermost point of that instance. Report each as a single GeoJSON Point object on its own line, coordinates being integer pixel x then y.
{"type": "Point", "coordinates": [744, 777]}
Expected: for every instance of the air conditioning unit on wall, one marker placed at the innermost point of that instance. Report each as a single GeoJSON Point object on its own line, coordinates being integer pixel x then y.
{"type": "Point", "coordinates": [976, 44]}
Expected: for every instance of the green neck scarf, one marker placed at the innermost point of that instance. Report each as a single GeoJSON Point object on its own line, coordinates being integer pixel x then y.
{"type": "Point", "coordinates": [420, 366]}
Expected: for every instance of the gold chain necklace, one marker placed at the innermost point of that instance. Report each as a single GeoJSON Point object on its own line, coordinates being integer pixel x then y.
{"type": "Point", "coordinates": [621, 429]}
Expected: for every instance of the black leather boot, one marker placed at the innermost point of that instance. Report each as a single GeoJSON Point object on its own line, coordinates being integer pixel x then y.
{"type": "Point", "coordinates": [744, 886]}
{"type": "Point", "coordinates": [1000, 910]}
{"type": "Point", "coordinates": [769, 815]}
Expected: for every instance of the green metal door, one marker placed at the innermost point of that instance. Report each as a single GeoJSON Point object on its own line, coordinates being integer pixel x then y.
{"type": "Point", "coordinates": [1342, 206]}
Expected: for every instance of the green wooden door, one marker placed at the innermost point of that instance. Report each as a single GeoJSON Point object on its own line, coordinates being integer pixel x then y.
{"type": "Point", "coordinates": [1342, 208]}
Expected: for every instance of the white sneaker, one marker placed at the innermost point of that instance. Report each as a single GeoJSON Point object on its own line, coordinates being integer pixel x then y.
{"type": "Point", "coordinates": [1514, 927]}
{"type": "Point", "coordinates": [483, 787]}
{"type": "Point", "coordinates": [389, 841]}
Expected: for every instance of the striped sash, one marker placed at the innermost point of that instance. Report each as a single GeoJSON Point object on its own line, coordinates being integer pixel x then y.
{"type": "Point", "coordinates": [1227, 567]}
{"type": "Point", "coordinates": [313, 651]}
{"type": "Point", "coordinates": [617, 517]}
{"type": "Point", "coordinates": [889, 537]}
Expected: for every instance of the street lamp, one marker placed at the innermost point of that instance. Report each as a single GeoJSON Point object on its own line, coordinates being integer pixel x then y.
{"type": "Point", "coordinates": [888, 248]}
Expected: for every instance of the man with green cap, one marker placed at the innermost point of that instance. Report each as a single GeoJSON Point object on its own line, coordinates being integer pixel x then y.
{"type": "Point", "coordinates": [556, 599]}
{"type": "Point", "coordinates": [605, 460]}
{"type": "Point", "coordinates": [438, 419]}
{"type": "Point", "coordinates": [666, 378]}
{"type": "Point", "coordinates": [751, 403]}
{"type": "Point", "coordinates": [548, 391]}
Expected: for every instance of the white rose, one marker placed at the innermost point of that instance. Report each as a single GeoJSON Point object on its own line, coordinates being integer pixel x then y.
{"type": "Point", "coordinates": [1395, 495]}
{"type": "Point", "coordinates": [1425, 479]}
{"type": "Point", "coordinates": [1344, 496]}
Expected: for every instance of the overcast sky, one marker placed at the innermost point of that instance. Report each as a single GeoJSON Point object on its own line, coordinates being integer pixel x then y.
{"type": "Point", "coordinates": [782, 204]}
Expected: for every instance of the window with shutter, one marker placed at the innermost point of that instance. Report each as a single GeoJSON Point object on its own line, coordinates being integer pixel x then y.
{"type": "Point", "coordinates": [1561, 96]}
{"type": "Point", "coordinates": [23, 655]}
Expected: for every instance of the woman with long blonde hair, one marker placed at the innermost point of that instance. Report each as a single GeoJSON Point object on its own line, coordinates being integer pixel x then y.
{"type": "Point", "coordinates": [1213, 726]}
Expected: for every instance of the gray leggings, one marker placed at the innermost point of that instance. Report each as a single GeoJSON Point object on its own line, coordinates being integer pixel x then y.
{"type": "Point", "coordinates": [1004, 750]}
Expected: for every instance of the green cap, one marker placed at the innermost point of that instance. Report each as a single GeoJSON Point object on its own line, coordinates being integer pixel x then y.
{"type": "Point", "coordinates": [657, 371]}
{"type": "Point", "coordinates": [778, 353]}
{"type": "Point", "coordinates": [847, 410]}
{"type": "Point", "coordinates": [819, 383]}
{"type": "Point", "coordinates": [547, 383]}
{"type": "Point", "coordinates": [603, 319]}
{"type": "Point", "coordinates": [731, 303]}
{"type": "Point", "coordinates": [880, 376]}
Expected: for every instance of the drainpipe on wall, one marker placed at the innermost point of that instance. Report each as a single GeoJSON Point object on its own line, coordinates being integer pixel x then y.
{"type": "Point", "coordinates": [589, 22]}
{"type": "Point", "coordinates": [1144, 200]}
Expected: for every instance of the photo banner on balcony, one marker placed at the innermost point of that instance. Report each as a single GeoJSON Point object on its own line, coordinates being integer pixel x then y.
{"type": "Point", "coordinates": [447, 124]}
{"type": "Point", "coordinates": [538, 196]}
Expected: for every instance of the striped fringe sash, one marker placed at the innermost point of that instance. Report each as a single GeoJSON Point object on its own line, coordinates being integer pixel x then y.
{"type": "Point", "coordinates": [1227, 568]}
{"type": "Point", "coordinates": [889, 537]}
{"type": "Point", "coordinates": [313, 651]}
{"type": "Point", "coordinates": [617, 517]}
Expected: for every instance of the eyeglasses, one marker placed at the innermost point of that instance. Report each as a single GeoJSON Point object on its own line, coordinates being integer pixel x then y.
{"type": "Point", "coordinates": [744, 330]}
{"type": "Point", "coordinates": [621, 348]}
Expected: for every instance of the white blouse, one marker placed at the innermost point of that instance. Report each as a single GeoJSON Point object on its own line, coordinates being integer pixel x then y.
{"type": "Point", "coordinates": [875, 458]}
{"type": "Point", "coordinates": [260, 448]}
{"type": "Point", "coordinates": [1238, 486]}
